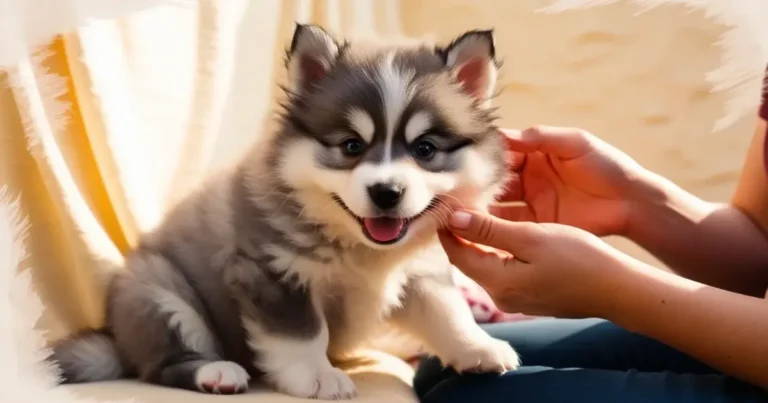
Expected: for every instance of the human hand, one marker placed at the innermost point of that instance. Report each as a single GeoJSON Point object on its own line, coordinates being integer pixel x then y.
{"type": "Point", "coordinates": [569, 176]}
{"type": "Point", "coordinates": [536, 269]}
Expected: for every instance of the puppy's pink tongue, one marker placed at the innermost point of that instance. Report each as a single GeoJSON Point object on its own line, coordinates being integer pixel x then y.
{"type": "Point", "coordinates": [383, 229]}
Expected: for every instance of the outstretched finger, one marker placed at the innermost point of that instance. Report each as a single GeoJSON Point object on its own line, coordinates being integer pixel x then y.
{"type": "Point", "coordinates": [513, 212]}
{"type": "Point", "coordinates": [563, 142]}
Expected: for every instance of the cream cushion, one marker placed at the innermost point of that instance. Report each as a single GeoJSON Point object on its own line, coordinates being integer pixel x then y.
{"type": "Point", "coordinates": [380, 378]}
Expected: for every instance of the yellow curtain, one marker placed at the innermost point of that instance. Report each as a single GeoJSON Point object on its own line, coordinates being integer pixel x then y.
{"type": "Point", "coordinates": [105, 126]}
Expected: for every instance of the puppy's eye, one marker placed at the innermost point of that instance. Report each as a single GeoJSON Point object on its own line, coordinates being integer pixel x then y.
{"type": "Point", "coordinates": [424, 150]}
{"type": "Point", "coordinates": [353, 147]}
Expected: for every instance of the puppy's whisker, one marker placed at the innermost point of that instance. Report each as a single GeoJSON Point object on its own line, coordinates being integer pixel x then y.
{"type": "Point", "coordinates": [442, 214]}
{"type": "Point", "coordinates": [436, 214]}
{"type": "Point", "coordinates": [437, 218]}
{"type": "Point", "coordinates": [454, 198]}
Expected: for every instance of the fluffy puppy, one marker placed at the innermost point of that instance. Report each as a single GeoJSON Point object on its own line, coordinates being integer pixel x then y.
{"type": "Point", "coordinates": [298, 254]}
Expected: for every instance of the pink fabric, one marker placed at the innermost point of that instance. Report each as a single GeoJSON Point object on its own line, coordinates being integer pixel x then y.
{"type": "Point", "coordinates": [483, 308]}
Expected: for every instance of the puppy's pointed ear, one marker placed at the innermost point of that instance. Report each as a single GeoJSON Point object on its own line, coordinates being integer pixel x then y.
{"type": "Point", "coordinates": [471, 59]}
{"type": "Point", "coordinates": [312, 53]}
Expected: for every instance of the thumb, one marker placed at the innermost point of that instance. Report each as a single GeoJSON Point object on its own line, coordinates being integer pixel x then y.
{"type": "Point", "coordinates": [487, 266]}
{"type": "Point", "coordinates": [562, 142]}
{"type": "Point", "coordinates": [517, 238]}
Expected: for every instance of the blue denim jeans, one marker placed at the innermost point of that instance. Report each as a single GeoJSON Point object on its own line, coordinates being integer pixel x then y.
{"type": "Point", "coordinates": [589, 361]}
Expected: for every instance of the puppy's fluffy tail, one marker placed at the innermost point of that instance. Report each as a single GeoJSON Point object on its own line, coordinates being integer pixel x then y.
{"type": "Point", "coordinates": [90, 356]}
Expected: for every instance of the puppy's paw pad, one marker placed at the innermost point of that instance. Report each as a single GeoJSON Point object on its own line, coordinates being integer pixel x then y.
{"type": "Point", "coordinates": [334, 384]}
{"type": "Point", "coordinates": [491, 355]}
{"type": "Point", "coordinates": [222, 377]}
{"type": "Point", "coordinates": [312, 383]}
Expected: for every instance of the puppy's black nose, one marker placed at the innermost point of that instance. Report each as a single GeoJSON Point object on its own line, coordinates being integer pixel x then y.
{"type": "Point", "coordinates": [386, 195]}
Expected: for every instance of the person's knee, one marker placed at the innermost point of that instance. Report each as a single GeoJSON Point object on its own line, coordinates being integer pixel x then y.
{"type": "Point", "coordinates": [429, 374]}
{"type": "Point", "coordinates": [549, 385]}
{"type": "Point", "coordinates": [523, 384]}
{"type": "Point", "coordinates": [531, 339]}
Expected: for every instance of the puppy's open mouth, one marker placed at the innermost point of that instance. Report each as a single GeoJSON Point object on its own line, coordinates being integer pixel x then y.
{"type": "Point", "coordinates": [384, 230]}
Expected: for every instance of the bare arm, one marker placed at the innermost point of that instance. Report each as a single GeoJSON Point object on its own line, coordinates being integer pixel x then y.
{"type": "Point", "coordinates": [723, 329]}
{"type": "Point", "coordinates": [721, 245]}
{"type": "Point", "coordinates": [717, 244]}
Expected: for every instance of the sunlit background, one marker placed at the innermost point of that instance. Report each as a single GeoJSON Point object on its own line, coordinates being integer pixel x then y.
{"type": "Point", "coordinates": [112, 109]}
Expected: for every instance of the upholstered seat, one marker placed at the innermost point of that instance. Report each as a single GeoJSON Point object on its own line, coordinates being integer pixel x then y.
{"type": "Point", "coordinates": [380, 378]}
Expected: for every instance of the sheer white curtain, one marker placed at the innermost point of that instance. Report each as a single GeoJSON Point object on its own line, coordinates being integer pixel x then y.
{"type": "Point", "coordinates": [109, 110]}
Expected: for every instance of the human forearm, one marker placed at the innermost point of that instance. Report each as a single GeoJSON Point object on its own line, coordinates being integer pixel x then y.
{"type": "Point", "coordinates": [713, 244]}
{"type": "Point", "coordinates": [723, 329]}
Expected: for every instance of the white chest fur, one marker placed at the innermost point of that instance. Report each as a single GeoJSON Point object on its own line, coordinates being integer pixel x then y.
{"type": "Point", "coordinates": [356, 299]}
{"type": "Point", "coordinates": [357, 290]}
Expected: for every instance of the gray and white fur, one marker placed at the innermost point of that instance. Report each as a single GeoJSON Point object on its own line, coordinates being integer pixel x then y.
{"type": "Point", "coordinates": [297, 255]}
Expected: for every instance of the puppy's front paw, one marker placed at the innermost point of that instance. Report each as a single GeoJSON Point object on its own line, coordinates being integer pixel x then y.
{"type": "Point", "coordinates": [489, 355]}
{"type": "Point", "coordinates": [308, 381]}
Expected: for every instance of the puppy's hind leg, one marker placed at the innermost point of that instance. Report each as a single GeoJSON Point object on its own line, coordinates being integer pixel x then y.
{"type": "Point", "coordinates": [160, 326]}
{"type": "Point", "coordinates": [195, 373]}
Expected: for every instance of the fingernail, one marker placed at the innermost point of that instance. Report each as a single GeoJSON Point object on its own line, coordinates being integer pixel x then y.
{"type": "Point", "coordinates": [460, 219]}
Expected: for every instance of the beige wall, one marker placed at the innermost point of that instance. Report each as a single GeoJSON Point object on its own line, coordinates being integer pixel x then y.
{"type": "Point", "coordinates": [636, 80]}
